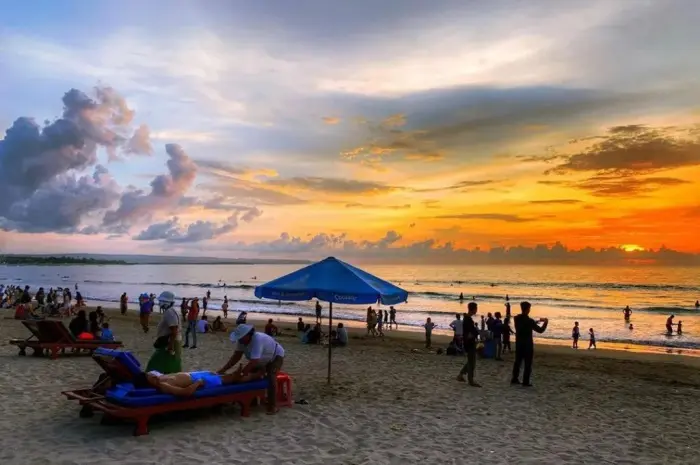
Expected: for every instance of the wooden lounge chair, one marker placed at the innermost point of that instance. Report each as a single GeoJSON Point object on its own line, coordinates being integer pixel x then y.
{"type": "Point", "coordinates": [54, 338]}
{"type": "Point", "coordinates": [116, 398]}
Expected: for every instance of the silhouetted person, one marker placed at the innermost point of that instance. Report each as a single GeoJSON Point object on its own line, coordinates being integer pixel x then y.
{"type": "Point", "coordinates": [627, 311]}
{"type": "Point", "coordinates": [697, 304]}
{"type": "Point", "coordinates": [507, 331]}
{"type": "Point", "coordinates": [679, 328]}
{"type": "Point", "coordinates": [591, 340]}
{"type": "Point", "coordinates": [575, 334]}
{"type": "Point", "coordinates": [524, 344]}
{"type": "Point", "coordinates": [669, 325]}
{"type": "Point", "coordinates": [461, 296]}
{"type": "Point", "coordinates": [470, 333]}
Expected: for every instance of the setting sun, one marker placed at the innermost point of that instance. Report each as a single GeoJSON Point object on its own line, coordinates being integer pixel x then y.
{"type": "Point", "coordinates": [632, 248]}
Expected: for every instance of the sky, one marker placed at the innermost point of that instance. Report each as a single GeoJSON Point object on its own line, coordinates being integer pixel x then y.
{"type": "Point", "coordinates": [400, 130]}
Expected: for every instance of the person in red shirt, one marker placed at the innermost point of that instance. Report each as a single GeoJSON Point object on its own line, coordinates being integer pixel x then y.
{"type": "Point", "coordinates": [192, 317]}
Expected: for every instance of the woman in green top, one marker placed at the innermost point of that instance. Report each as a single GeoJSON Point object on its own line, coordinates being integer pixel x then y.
{"type": "Point", "coordinates": [167, 357]}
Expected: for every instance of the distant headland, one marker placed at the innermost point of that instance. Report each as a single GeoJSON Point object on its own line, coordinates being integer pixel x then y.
{"type": "Point", "coordinates": [108, 259]}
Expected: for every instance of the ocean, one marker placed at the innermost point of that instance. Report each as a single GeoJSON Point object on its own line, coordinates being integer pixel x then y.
{"type": "Point", "coordinates": [593, 296]}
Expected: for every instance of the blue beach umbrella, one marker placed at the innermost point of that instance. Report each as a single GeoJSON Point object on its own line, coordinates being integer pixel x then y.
{"type": "Point", "coordinates": [333, 281]}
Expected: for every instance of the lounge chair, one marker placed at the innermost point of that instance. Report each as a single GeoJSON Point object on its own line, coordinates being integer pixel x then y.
{"type": "Point", "coordinates": [54, 338]}
{"type": "Point", "coordinates": [116, 397]}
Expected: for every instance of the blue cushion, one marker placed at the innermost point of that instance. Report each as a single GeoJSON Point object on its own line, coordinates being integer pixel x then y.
{"type": "Point", "coordinates": [126, 394]}
{"type": "Point", "coordinates": [126, 358]}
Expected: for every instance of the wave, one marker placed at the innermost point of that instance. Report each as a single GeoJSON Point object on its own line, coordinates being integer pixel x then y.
{"type": "Point", "coordinates": [572, 285]}
{"type": "Point", "coordinates": [182, 284]}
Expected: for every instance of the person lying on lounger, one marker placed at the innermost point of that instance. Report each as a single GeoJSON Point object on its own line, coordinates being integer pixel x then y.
{"type": "Point", "coordinates": [185, 384]}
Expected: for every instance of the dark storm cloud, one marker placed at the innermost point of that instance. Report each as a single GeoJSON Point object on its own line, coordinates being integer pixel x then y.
{"type": "Point", "coordinates": [40, 187]}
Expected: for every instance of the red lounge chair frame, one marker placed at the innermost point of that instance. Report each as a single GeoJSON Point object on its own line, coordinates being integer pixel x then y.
{"type": "Point", "coordinates": [92, 400]}
{"type": "Point", "coordinates": [55, 338]}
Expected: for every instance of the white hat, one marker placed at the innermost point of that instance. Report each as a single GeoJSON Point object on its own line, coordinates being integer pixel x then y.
{"type": "Point", "coordinates": [166, 296]}
{"type": "Point", "coordinates": [240, 332]}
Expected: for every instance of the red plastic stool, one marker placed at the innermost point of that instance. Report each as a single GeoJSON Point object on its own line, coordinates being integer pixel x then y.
{"type": "Point", "coordinates": [284, 390]}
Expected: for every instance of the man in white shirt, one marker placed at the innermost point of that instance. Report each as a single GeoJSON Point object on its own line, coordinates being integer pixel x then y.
{"type": "Point", "coordinates": [265, 356]}
{"type": "Point", "coordinates": [458, 328]}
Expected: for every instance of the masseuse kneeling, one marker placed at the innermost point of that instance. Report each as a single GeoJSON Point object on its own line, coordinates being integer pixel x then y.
{"type": "Point", "coordinates": [264, 354]}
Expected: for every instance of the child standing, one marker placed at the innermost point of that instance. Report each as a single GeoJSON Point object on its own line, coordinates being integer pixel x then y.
{"type": "Point", "coordinates": [591, 343]}
{"type": "Point", "coordinates": [575, 334]}
{"type": "Point", "coordinates": [429, 325]}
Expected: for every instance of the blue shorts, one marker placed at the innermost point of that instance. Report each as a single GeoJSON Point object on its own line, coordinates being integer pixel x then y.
{"type": "Point", "coordinates": [210, 379]}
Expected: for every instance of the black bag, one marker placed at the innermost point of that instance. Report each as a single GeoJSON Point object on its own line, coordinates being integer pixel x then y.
{"type": "Point", "coordinates": [161, 342]}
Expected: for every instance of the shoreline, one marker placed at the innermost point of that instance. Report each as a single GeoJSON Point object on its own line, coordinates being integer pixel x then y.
{"type": "Point", "coordinates": [414, 337]}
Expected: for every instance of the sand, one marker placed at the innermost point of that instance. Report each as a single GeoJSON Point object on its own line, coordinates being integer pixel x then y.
{"type": "Point", "coordinates": [391, 401]}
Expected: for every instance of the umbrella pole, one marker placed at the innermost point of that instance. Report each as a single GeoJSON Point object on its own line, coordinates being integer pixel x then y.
{"type": "Point", "coordinates": [330, 342]}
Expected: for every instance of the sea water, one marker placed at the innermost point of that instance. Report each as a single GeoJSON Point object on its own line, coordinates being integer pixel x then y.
{"type": "Point", "coordinates": [593, 296]}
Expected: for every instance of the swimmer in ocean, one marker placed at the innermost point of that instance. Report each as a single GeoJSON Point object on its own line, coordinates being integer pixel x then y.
{"type": "Point", "coordinates": [627, 311]}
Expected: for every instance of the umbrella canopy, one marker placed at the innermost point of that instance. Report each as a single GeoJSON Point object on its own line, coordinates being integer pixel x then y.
{"type": "Point", "coordinates": [332, 280]}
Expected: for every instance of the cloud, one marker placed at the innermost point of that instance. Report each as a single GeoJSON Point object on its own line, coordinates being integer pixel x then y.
{"type": "Point", "coordinates": [40, 182]}
{"type": "Point", "coordinates": [462, 185]}
{"type": "Point", "coordinates": [332, 120]}
{"type": "Point", "coordinates": [140, 142]}
{"type": "Point", "coordinates": [611, 186]}
{"type": "Point", "coordinates": [634, 150]}
{"type": "Point", "coordinates": [388, 250]}
{"type": "Point", "coordinates": [332, 185]}
{"type": "Point", "coordinates": [488, 217]}
{"type": "Point", "coordinates": [555, 202]}
{"type": "Point", "coordinates": [378, 206]}
{"type": "Point", "coordinates": [166, 191]}
{"type": "Point", "coordinates": [172, 231]}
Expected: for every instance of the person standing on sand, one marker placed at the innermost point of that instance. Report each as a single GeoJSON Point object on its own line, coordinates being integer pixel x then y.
{"type": "Point", "coordinates": [167, 357]}
{"type": "Point", "coordinates": [470, 333]}
{"type": "Point", "coordinates": [380, 322]}
{"type": "Point", "coordinates": [123, 303]}
{"type": "Point", "coordinates": [497, 329]}
{"type": "Point", "coordinates": [386, 319]}
{"type": "Point", "coordinates": [224, 307]}
{"type": "Point", "coordinates": [429, 326]}
{"type": "Point", "coordinates": [392, 316]}
{"type": "Point", "coordinates": [591, 342]}
{"type": "Point", "coordinates": [183, 309]}
{"type": "Point", "coordinates": [507, 331]}
{"type": "Point", "coordinates": [524, 344]}
{"type": "Point", "coordinates": [319, 309]}
{"type": "Point", "coordinates": [575, 334]}
{"type": "Point", "coordinates": [205, 303]}
{"type": "Point", "coordinates": [192, 317]}
{"type": "Point", "coordinates": [458, 328]}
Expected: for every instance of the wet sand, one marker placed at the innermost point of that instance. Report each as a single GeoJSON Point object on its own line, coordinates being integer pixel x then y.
{"type": "Point", "coordinates": [391, 401]}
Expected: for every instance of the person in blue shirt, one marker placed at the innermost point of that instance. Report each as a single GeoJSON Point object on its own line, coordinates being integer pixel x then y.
{"type": "Point", "coordinates": [107, 334]}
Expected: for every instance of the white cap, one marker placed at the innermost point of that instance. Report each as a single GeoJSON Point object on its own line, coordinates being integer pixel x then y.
{"type": "Point", "coordinates": [240, 332]}
{"type": "Point", "coordinates": [166, 296]}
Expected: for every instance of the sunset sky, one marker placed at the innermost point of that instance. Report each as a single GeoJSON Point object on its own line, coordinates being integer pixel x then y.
{"type": "Point", "coordinates": [384, 128]}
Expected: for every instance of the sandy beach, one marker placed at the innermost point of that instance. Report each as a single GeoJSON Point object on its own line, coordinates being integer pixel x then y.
{"type": "Point", "coordinates": [391, 401]}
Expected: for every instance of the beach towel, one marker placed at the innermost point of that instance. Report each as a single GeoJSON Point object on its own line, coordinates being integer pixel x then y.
{"type": "Point", "coordinates": [165, 362]}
